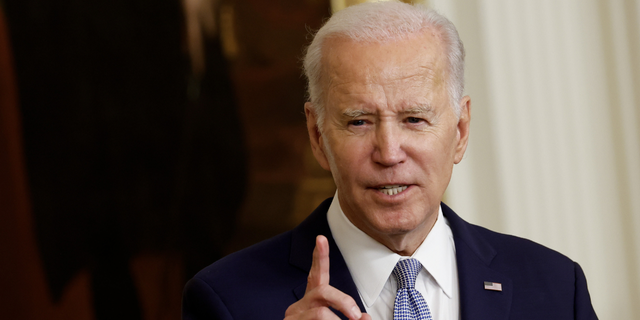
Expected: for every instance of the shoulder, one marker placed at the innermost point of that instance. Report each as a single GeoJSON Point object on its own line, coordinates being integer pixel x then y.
{"type": "Point", "coordinates": [259, 282]}
{"type": "Point", "coordinates": [498, 248]}
{"type": "Point", "coordinates": [541, 277]}
{"type": "Point", "coordinates": [263, 266]}
{"type": "Point", "coordinates": [523, 251]}
{"type": "Point", "coordinates": [538, 278]}
{"type": "Point", "coordinates": [272, 260]}
{"type": "Point", "coordinates": [515, 256]}
{"type": "Point", "coordinates": [256, 282]}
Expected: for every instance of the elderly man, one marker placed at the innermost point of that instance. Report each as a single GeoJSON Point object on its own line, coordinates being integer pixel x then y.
{"type": "Point", "coordinates": [387, 117]}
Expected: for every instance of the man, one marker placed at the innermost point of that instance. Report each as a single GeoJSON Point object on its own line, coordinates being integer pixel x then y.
{"type": "Point", "coordinates": [387, 117]}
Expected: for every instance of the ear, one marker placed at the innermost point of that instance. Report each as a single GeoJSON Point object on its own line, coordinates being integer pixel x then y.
{"type": "Point", "coordinates": [317, 143]}
{"type": "Point", "coordinates": [463, 128]}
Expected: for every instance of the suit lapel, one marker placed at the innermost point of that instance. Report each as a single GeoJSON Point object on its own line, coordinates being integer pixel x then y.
{"type": "Point", "coordinates": [303, 241]}
{"type": "Point", "coordinates": [474, 256]}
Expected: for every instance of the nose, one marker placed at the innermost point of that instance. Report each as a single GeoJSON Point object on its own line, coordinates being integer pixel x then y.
{"type": "Point", "coordinates": [388, 145]}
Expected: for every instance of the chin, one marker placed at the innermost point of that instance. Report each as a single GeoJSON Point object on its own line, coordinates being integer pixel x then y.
{"type": "Point", "coordinates": [395, 225]}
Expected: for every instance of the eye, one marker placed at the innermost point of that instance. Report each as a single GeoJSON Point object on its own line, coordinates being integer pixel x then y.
{"type": "Point", "coordinates": [413, 120]}
{"type": "Point", "coordinates": [357, 122]}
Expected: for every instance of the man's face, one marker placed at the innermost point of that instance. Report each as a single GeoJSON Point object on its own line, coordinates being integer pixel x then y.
{"type": "Point", "coordinates": [390, 137]}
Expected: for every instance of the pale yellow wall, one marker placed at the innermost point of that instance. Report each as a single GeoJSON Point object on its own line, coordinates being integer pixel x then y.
{"type": "Point", "coordinates": [554, 154]}
{"type": "Point", "coordinates": [337, 5]}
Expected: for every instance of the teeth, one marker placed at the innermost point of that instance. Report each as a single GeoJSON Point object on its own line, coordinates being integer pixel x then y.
{"type": "Point", "coordinates": [391, 190]}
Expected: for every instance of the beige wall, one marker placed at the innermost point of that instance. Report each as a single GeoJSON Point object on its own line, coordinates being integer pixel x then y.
{"type": "Point", "coordinates": [555, 148]}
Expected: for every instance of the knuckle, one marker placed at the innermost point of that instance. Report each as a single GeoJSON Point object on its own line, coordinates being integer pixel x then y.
{"type": "Point", "coordinates": [322, 313]}
{"type": "Point", "coordinates": [296, 308]}
{"type": "Point", "coordinates": [290, 311]}
{"type": "Point", "coordinates": [323, 291]}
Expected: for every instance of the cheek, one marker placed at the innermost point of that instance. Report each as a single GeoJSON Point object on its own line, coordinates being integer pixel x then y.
{"type": "Point", "coordinates": [434, 156]}
{"type": "Point", "coordinates": [442, 147]}
{"type": "Point", "coordinates": [346, 161]}
{"type": "Point", "coordinates": [349, 158]}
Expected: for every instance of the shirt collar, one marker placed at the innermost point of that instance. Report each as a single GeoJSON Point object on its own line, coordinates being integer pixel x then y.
{"type": "Point", "coordinates": [371, 263]}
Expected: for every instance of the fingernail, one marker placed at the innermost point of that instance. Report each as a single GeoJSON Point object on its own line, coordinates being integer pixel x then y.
{"type": "Point", "coordinates": [356, 312]}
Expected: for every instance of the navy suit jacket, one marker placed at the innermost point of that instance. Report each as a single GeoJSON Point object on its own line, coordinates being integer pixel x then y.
{"type": "Point", "coordinates": [260, 282]}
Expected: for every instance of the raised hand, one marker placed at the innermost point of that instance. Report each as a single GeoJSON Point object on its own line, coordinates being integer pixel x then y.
{"type": "Point", "coordinates": [319, 295]}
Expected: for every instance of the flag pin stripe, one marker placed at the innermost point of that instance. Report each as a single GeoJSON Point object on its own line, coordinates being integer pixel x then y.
{"type": "Point", "coordinates": [494, 286]}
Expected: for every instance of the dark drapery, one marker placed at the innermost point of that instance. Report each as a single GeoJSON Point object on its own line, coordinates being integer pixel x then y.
{"type": "Point", "coordinates": [120, 160]}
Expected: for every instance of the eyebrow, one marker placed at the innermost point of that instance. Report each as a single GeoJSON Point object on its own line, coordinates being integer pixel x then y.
{"type": "Point", "coordinates": [426, 108]}
{"type": "Point", "coordinates": [354, 113]}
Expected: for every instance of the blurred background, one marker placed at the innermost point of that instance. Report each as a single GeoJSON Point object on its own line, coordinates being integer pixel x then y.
{"type": "Point", "coordinates": [142, 140]}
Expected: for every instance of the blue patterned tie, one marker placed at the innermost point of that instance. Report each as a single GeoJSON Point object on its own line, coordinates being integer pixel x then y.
{"type": "Point", "coordinates": [410, 305]}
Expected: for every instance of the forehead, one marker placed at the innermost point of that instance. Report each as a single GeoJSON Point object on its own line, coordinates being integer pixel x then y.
{"type": "Point", "coordinates": [414, 66]}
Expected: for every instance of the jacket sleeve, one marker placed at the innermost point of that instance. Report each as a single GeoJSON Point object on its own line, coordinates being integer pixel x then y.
{"type": "Point", "coordinates": [582, 308]}
{"type": "Point", "coordinates": [201, 302]}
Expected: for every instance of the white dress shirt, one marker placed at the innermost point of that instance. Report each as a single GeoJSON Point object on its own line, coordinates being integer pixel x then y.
{"type": "Point", "coordinates": [371, 265]}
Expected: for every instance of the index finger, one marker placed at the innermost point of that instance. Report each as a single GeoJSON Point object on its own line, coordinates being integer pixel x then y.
{"type": "Point", "coordinates": [319, 273]}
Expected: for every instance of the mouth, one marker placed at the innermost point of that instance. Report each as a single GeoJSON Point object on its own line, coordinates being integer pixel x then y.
{"type": "Point", "coordinates": [392, 189]}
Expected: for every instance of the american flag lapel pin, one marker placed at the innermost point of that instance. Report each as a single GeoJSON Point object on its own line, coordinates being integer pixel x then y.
{"type": "Point", "coordinates": [494, 286]}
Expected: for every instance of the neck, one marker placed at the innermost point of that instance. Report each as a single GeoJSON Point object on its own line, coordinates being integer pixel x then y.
{"type": "Point", "coordinates": [407, 244]}
{"type": "Point", "coordinates": [404, 243]}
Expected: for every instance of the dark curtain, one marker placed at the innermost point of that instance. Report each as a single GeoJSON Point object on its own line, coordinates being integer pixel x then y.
{"type": "Point", "coordinates": [120, 159]}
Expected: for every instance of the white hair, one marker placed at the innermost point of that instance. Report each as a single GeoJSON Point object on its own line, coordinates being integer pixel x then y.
{"type": "Point", "coordinates": [378, 22]}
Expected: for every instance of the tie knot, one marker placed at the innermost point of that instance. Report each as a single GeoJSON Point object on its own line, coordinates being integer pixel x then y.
{"type": "Point", "coordinates": [406, 272]}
